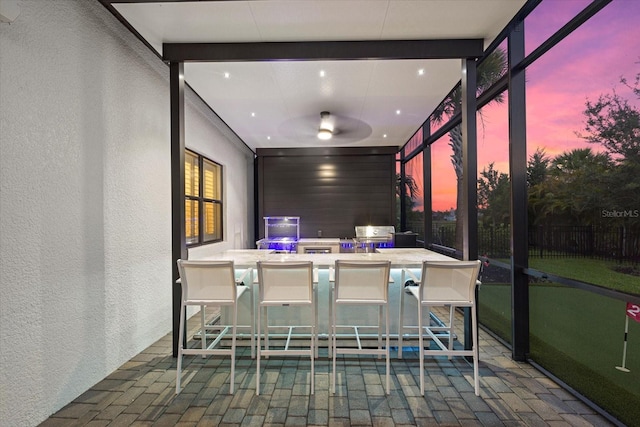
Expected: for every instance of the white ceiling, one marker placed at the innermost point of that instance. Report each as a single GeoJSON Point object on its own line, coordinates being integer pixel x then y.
{"type": "Point", "coordinates": [277, 104]}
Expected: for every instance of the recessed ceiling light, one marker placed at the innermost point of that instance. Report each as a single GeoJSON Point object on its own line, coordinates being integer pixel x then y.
{"type": "Point", "coordinates": [322, 73]}
{"type": "Point", "coordinates": [226, 75]}
{"type": "Point", "coordinates": [253, 114]}
{"type": "Point", "coordinates": [268, 137]}
{"type": "Point", "coordinates": [384, 136]}
{"type": "Point", "coordinates": [421, 72]}
{"type": "Point", "coordinates": [398, 112]}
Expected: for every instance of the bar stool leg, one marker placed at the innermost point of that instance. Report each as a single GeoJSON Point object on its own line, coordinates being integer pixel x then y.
{"type": "Point", "coordinates": [333, 349]}
{"type": "Point", "coordinates": [259, 351]}
{"type": "Point", "coordinates": [388, 367]}
{"type": "Point", "coordinates": [232, 380]}
{"type": "Point", "coordinates": [476, 350]}
{"type": "Point", "coordinates": [203, 329]}
{"type": "Point", "coordinates": [380, 330]}
{"type": "Point", "coordinates": [451, 319]}
{"type": "Point", "coordinates": [331, 278]}
{"type": "Point", "coordinates": [313, 338]}
{"type": "Point", "coordinates": [421, 348]}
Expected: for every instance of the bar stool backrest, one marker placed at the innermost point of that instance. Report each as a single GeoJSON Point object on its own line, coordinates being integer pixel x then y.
{"type": "Point", "coordinates": [362, 282]}
{"type": "Point", "coordinates": [285, 282]}
{"type": "Point", "coordinates": [449, 281]}
{"type": "Point", "coordinates": [207, 281]}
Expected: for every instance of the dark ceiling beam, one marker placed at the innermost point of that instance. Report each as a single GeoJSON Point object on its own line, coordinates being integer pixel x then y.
{"type": "Point", "coordinates": [167, 1]}
{"type": "Point", "coordinates": [323, 50]}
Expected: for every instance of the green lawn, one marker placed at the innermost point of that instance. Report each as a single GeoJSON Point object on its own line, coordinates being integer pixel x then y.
{"type": "Point", "coordinates": [597, 272]}
{"type": "Point", "coordinates": [577, 335]}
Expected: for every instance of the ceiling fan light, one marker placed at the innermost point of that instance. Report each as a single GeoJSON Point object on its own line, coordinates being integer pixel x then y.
{"type": "Point", "coordinates": [324, 134]}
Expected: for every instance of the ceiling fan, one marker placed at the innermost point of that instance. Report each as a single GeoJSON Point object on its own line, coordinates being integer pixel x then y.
{"type": "Point", "coordinates": [327, 127]}
{"type": "Point", "coordinates": [347, 129]}
{"type": "Point", "coordinates": [331, 128]}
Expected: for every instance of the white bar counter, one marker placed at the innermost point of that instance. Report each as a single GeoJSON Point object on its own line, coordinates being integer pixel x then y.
{"type": "Point", "coordinates": [399, 257]}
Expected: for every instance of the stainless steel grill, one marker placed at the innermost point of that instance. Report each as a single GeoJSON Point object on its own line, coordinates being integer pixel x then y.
{"type": "Point", "coordinates": [281, 233]}
{"type": "Point", "coordinates": [370, 237]}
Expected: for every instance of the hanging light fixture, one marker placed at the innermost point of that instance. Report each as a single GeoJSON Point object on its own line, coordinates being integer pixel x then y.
{"type": "Point", "coordinates": [325, 131]}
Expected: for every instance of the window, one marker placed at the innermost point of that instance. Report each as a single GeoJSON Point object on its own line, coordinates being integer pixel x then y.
{"type": "Point", "coordinates": [203, 199]}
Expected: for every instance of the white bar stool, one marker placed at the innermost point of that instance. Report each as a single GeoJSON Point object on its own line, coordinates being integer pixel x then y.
{"type": "Point", "coordinates": [360, 283]}
{"type": "Point", "coordinates": [210, 283]}
{"type": "Point", "coordinates": [285, 284]}
{"type": "Point", "coordinates": [443, 283]}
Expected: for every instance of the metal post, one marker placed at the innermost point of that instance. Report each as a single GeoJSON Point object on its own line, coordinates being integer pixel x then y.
{"type": "Point", "coordinates": [426, 179]}
{"type": "Point", "coordinates": [518, 173]}
{"type": "Point", "coordinates": [469, 177]}
{"type": "Point", "coordinates": [178, 237]}
{"type": "Point", "coordinates": [403, 193]}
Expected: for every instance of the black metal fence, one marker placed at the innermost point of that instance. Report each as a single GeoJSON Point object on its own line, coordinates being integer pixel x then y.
{"type": "Point", "coordinates": [615, 243]}
{"type": "Point", "coordinates": [444, 234]}
{"type": "Point", "coordinates": [612, 243]}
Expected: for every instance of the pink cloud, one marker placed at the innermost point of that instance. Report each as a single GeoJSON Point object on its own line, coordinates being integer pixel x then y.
{"type": "Point", "coordinates": [585, 65]}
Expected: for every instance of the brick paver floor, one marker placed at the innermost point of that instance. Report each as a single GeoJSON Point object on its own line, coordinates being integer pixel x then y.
{"type": "Point", "coordinates": [142, 393]}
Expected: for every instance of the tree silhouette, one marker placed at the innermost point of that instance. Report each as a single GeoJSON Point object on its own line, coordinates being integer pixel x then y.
{"type": "Point", "coordinates": [493, 196]}
{"type": "Point", "coordinates": [614, 123]}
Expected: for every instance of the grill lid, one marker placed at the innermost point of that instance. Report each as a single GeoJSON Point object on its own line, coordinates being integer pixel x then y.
{"type": "Point", "coordinates": [282, 227]}
{"type": "Point", "coordinates": [375, 232]}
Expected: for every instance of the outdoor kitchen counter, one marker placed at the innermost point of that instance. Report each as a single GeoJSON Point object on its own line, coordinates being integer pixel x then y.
{"type": "Point", "coordinates": [318, 245]}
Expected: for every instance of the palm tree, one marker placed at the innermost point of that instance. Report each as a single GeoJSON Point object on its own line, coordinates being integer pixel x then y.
{"type": "Point", "coordinates": [411, 187]}
{"type": "Point", "coordinates": [489, 71]}
{"type": "Point", "coordinates": [411, 191]}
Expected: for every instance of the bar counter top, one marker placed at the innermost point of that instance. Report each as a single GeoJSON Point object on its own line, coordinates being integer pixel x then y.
{"type": "Point", "coordinates": [399, 257]}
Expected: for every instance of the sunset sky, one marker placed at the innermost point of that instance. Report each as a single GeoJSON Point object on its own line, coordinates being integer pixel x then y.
{"type": "Point", "coordinates": [585, 65]}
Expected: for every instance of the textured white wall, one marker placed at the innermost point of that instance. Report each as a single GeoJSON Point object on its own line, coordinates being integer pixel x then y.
{"type": "Point", "coordinates": [85, 220]}
{"type": "Point", "coordinates": [201, 127]}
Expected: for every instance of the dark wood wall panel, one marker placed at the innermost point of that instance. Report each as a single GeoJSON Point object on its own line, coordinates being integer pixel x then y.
{"type": "Point", "coordinates": [331, 193]}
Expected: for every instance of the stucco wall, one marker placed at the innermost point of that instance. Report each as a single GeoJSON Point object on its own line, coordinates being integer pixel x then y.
{"type": "Point", "coordinates": [85, 220]}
